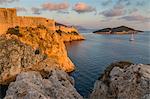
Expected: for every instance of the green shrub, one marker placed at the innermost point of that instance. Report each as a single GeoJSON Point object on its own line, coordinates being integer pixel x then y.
{"type": "Point", "coordinates": [14, 31]}
{"type": "Point", "coordinates": [41, 26]}
{"type": "Point", "coordinates": [74, 32]}
{"type": "Point", "coordinates": [59, 32]}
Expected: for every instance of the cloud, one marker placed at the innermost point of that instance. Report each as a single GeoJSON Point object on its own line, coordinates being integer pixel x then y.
{"type": "Point", "coordinates": [63, 12]}
{"type": "Point", "coordinates": [107, 2]}
{"type": "Point", "coordinates": [136, 18]}
{"type": "Point", "coordinates": [21, 9]}
{"type": "Point", "coordinates": [124, 2]}
{"type": "Point", "coordinates": [117, 10]}
{"type": "Point", "coordinates": [55, 6]}
{"type": "Point", "coordinates": [7, 1]}
{"type": "Point", "coordinates": [140, 3]}
{"type": "Point", "coordinates": [134, 10]}
{"type": "Point", "coordinates": [36, 10]}
{"type": "Point", "coordinates": [83, 8]}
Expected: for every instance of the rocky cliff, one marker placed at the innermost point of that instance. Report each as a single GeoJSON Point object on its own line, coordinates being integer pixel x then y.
{"type": "Point", "coordinates": [41, 51]}
{"type": "Point", "coordinates": [123, 80]}
{"type": "Point", "coordinates": [26, 47]}
{"type": "Point", "coordinates": [68, 33]}
{"type": "Point", "coordinates": [70, 36]}
{"type": "Point", "coordinates": [31, 48]}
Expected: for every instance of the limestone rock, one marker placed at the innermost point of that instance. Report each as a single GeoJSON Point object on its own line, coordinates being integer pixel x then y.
{"type": "Point", "coordinates": [18, 55]}
{"type": "Point", "coordinates": [31, 85]}
{"type": "Point", "coordinates": [15, 55]}
{"type": "Point", "coordinates": [49, 42]}
{"type": "Point", "coordinates": [123, 82]}
{"type": "Point", "coordinates": [67, 37]}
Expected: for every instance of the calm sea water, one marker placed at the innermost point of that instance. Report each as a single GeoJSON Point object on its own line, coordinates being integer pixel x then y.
{"type": "Point", "coordinates": [94, 54]}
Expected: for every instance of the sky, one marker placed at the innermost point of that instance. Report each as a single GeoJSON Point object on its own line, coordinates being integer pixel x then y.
{"type": "Point", "coordinates": [94, 14]}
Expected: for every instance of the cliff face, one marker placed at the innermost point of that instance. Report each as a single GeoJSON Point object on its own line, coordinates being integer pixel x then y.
{"type": "Point", "coordinates": [49, 43]}
{"type": "Point", "coordinates": [31, 48]}
{"type": "Point", "coordinates": [70, 36]}
{"type": "Point", "coordinates": [123, 81]}
{"type": "Point", "coordinates": [24, 47]}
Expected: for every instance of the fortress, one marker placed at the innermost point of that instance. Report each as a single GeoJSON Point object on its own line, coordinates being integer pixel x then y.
{"type": "Point", "coordinates": [9, 19]}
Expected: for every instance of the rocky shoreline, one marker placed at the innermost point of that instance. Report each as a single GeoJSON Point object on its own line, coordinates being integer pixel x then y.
{"type": "Point", "coordinates": [28, 49]}
{"type": "Point", "coordinates": [34, 65]}
{"type": "Point", "coordinates": [123, 80]}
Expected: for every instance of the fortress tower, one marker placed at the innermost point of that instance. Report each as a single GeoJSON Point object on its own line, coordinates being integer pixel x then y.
{"type": "Point", "coordinates": [7, 18]}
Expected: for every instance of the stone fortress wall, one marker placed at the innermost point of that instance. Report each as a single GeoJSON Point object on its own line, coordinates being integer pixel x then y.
{"type": "Point", "coordinates": [9, 18]}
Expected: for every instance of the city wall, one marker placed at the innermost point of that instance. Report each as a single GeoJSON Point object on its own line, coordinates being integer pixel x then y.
{"type": "Point", "coordinates": [9, 18]}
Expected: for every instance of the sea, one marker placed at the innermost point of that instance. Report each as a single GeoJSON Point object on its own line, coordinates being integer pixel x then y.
{"type": "Point", "coordinates": [93, 55]}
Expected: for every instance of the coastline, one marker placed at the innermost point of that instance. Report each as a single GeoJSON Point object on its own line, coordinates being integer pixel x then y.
{"type": "Point", "coordinates": [34, 64]}
{"type": "Point", "coordinates": [30, 55]}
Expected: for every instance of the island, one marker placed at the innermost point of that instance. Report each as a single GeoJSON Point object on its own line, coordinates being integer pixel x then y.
{"type": "Point", "coordinates": [117, 30]}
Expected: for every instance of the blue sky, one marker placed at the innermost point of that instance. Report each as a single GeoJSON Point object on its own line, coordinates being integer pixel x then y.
{"type": "Point", "coordinates": [87, 13]}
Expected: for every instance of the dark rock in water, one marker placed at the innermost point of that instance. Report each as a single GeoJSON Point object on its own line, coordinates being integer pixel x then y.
{"type": "Point", "coordinates": [31, 85]}
{"type": "Point", "coordinates": [123, 80]}
{"type": "Point", "coordinates": [3, 89]}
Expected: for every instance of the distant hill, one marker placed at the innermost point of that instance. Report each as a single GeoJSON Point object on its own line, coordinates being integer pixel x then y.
{"type": "Point", "coordinates": [82, 29]}
{"type": "Point", "coordinates": [117, 30]}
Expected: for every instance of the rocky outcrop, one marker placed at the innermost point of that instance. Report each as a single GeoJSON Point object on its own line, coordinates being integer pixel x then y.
{"type": "Point", "coordinates": [26, 47]}
{"type": "Point", "coordinates": [39, 58]}
{"type": "Point", "coordinates": [56, 84]}
{"type": "Point", "coordinates": [31, 48]}
{"type": "Point", "coordinates": [16, 56]}
{"type": "Point", "coordinates": [50, 43]}
{"type": "Point", "coordinates": [68, 33]}
{"type": "Point", "coordinates": [123, 80]}
{"type": "Point", "coordinates": [72, 36]}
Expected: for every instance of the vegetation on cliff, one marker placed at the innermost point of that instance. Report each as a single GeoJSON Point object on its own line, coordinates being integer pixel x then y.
{"type": "Point", "coordinates": [14, 31]}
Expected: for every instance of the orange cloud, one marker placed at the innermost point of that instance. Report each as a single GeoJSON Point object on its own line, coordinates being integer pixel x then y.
{"type": "Point", "coordinates": [83, 7]}
{"type": "Point", "coordinates": [55, 6]}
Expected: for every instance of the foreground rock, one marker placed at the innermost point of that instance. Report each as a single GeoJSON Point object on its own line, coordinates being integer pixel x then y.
{"type": "Point", "coordinates": [32, 85]}
{"type": "Point", "coordinates": [123, 80]}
